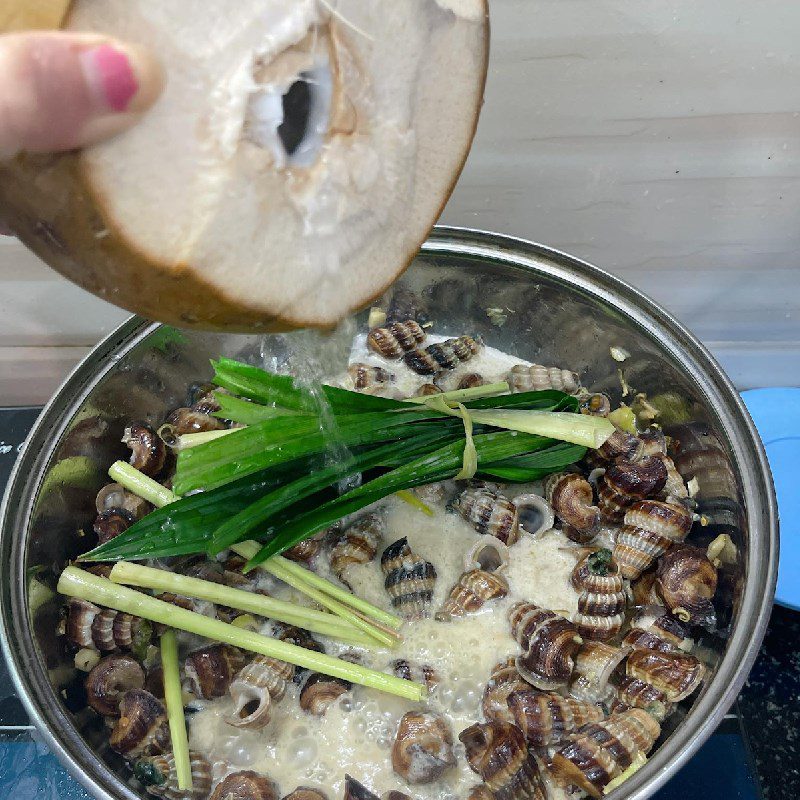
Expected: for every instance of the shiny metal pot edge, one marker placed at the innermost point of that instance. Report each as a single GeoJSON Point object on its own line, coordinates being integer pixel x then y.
{"type": "Point", "coordinates": [694, 360]}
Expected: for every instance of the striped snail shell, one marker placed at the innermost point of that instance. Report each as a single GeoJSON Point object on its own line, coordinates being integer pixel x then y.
{"type": "Point", "coordinates": [354, 790]}
{"type": "Point", "coordinates": [190, 420]}
{"type": "Point", "coordinates": [675, 489]}
{"type": "Point", "coordinates": [687, 580]}
{"type": "Point", "coordinates": [549, 643]}
{"type": "Point", "coordinates": [423, 748]}
{"type": "Point", "coordinates": [595, 663]}
{"type": "Point", "coordinates": [142, 728]}
{"type": "Point", "coordinates": [634, 693]}
{"type": "Point", "coordinates": [676, 675]}
{"type": "Point", "coordinates": [409, 580]}
{"type": "Point", "coordinates": [547, 718]}
{"type": "Point", "coordinates": [111, 523]}
{"type": "Point", "coordinates": [306, 793]}
{"type": "Point", "coordinates": [537, 378]}
{"type": "Point", "coordinates": [245, 785]}
{"type": "Point", "coordinates": [596, 405]}
{"type": "Point", "coordinates": [358, 544]}
{"type": "Point", "coordinates": [572, 499]}
{"type": "Point", "coordinates": [368, 376]}
{"type": "Point", "coordinates": [651, 528]}
{"type": "Point", "coordinates": [600, 751]}
{"type": "Point", "coordinates": [320, 691]}
{"type": "Point", "coordinates": [654, 443]}
{"type": "Point", "coordinates": [471, 380]}
{"type": "Point", "coordinates": [621, 444]}
{"type": "Point", "coordinates": [666, 634]}
{"type": "Point", "coordinates": [159, 776]}
{"type": "Point", "coordinates": [489, 513]}
{"type": "Point", "coordinates": [427, 390]}
{"type": "Point", "coordinates": [396, 338]}
{"type": "Point", "coordinates": [148, 451]}
{"type": "Point", "coordinates": [210, 670]}
{"type": "Point", "coordinates": [109, 679]}
{"type": "Point", "coordinates": [444, 355]}
{"type": "Point", "coordinates": [254, 688]}
{"type": "Point", "coordinates": [419, 673]}
{"type": "Point", "coordinates": [306, 551]}
{"type": "Point", "coordinates": [503, 681]}
{"type": "Point", "coordinates": [602, 598]}
{"type": "Point", "coordinates": [625, 482]}
{"type": "Point", "coordinates": [498, 752]}
{"type": "Point", "coordinates": [102, 629]}
{"type": "Point", "coordinates": [114, 495]}
{"type": "Point", "coordinates": [473, 590]}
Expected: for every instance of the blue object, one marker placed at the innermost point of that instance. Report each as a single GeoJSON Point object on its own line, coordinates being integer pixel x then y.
{"type": "Point", "coordinates": [776, 413]}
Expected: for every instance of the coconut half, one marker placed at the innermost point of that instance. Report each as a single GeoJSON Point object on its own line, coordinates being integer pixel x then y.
{"type": "Point", "coordinates": [300, 154]}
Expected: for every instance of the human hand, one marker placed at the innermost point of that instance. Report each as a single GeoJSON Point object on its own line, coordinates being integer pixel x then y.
{"type": "Point", "coordinates": [59, 91]}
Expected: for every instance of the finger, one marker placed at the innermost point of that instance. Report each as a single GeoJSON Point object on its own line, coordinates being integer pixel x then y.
{"type": "Point", "coordinates": [59, 91]}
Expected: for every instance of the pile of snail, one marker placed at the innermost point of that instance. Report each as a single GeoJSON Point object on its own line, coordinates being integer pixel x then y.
{"type": "Point", "coordinates": [581, 699]}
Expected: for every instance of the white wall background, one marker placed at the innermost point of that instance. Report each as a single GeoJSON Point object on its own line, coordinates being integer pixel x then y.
{"type": "Point", "coordinates": [658, 139]}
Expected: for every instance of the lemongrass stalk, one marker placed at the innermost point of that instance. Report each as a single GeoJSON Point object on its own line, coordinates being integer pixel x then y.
{"type": "Point", "coordinates": [460, 395]}
{"type": "Point", "coordinates": [580, 429]}
{"type": "Point", "coordinates": [187, 440]}
{"type": "Point", "coordinates": [141, 485]}
{"type": "Point", "coordinates": [312, 620]}
{"type": "Point", "coordinates": [414, 501]}
{"type": "Point", "coordinates": [384, 637]}
{"type": "Point", "coordinates": [174, 703]}
{"type": "Point", "coordinates": [84, 585]}
{"type": "Point", "coordinates": [248, 549]}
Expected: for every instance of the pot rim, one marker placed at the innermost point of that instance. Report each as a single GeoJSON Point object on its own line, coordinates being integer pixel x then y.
{"type": "Point", "coordinates": [29, 675]}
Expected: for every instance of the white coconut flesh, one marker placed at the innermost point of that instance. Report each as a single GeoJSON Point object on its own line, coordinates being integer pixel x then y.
{"type": "Point", "coordinates": [302, 149]}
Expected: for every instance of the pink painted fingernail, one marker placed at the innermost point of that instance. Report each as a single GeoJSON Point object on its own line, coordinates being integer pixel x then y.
{"type": "Point", "coordinates": [110, 76]}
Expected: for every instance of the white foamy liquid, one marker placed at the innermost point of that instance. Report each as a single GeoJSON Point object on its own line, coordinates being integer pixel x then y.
{"type": "Point", "coordinates": [356, 734]}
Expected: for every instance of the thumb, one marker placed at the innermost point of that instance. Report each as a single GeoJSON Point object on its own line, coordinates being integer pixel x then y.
{"type": "Point", "coordinates": [59, 91]}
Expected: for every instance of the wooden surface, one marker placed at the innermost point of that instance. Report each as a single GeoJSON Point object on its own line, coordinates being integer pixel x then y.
{"type": "Point", "coordinates": [659, 140]}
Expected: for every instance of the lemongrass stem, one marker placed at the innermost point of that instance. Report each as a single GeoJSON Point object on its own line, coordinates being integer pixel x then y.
{"type": "Point", "coordinates": [414, 501]}
{"type": "Point", "coordinates": [248, 549]}
{"type": "Point", "coordinates": [388, 639]}
{"type": "Point", "coordinates": [141, 485]}
{"type": "Point", "coordinates": [84, 585]}
{"type": "Point", "coordinates": [292, 614]}
{"type": "Point", "coordinates": [174, 702]}
{"type": "Point", "coordinates": [187, 440]}
{"type": "Point", "coordinates": [581, 429]}
{"type": "Point", "coordinates": [460, 395]}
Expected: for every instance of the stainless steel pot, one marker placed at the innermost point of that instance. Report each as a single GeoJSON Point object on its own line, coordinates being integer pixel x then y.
{"type": "Point", "coordinates": [524, 298]}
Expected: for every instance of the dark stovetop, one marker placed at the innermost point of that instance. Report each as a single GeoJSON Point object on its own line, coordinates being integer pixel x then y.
{"type": "Point", "coordinates": [754, 754]}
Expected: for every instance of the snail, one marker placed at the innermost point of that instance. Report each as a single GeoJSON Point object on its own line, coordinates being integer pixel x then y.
{"type": "Point", "coordinates": [498, 753]}
{"type": "Point", "coordinates": [103, 629]}
{"type": "Point", "coordinates": [409, 671]}
{"type": "Point", "coordinates": [489, 513]}
{"type": "Point", "coordinates": [111, 523]}
{"type": "Point", "coordinates": [353, 790]}
{"type": "Point", "coordinates": [471, 380]}
{"type": "Point", "coordinates": [210, 670]}
{"type": "Point", "coordinates": [409, 579]}
{"type": "Point", "coordinates": [621, 444]}
{"type": "Point", "coordinates": [368, 376]}
{"type": "Point", "coordinates": [159, 777]}
{"type": "Point", "coordinates": [115, 496]}
{"type": "Point", "coordinates": [651, 527]}
{"type": "Point", "coordinates": [480, 792]}
{"type": "Point", "coordinates": [600, 751]}
{"type": "Point", "coordinates": [142, 728]}
{"type": "Point", "coordinates": [666, 634]}
{"type": "Point", "coordinates": [301, 638]}
{"type": "Point", "coordinates": [444, 355]}
{"type": "Point", "coordinates": [148, 451]}
{"type": "Point", "coordinates": [306, 551]}
{"type": "Point", "coordinates": [488, 553]}
{"type": "Point", "coordinates": [676, 675]}
{"type": "Point", "coordinates": [547, 718]}
{"type": "Point", "coordinates": [320, 691]}
{"type": "Point", "coordinates": [572, 499]}
{"type": "Point", "coordinates": [190, 420]}
{"type": "Point", "coordinates": [595, 663]}
{"type": "Point", "coordinates": [423, 748]}
{"type": "Point", "coordinates": [396, 338]}
{"type": "Point", "coordinates": [254, 688]}
{"type": "Point", "coordinates": [596, 405]}
{"type": "Point", "coordinates": [534, 514]}
{"type": "Point", "coordinates": [427, 390]}
{"type": "Point", "coordinates": [473, 590]}
{"type": "Point", "coordinates": [503, 681]}
{"type": "Point", "coordinates": [602, 598]}
{"type": "Point", "coordinates": [625, 482]}
{"type": "Point", "coordinates": [358, 544]}
{"type": "Point", "coordinates": [635, 693]}
{"type": "Point", "coordinates": [687, 580]}
{"type": "Point", "coordinates": [536, 378]}
{"type": "Point", "coordinates": [245, 785]}
{"type": "Point", "coordinates": [549, 643]}
{"type": "Point", "coordinates": [109, 680]}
